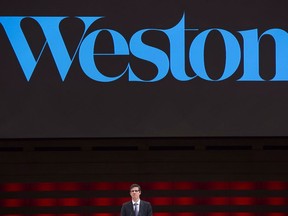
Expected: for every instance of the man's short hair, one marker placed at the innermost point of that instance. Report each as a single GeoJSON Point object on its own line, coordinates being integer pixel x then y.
{"type": "Point", "coordinates": [135, 185]}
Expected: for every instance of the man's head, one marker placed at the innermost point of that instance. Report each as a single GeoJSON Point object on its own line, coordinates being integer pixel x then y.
{"type": "Point", "coordinates": [135, 191]}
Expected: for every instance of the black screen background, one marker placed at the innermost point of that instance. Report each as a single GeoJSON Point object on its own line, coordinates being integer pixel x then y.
{"type": "Point", "coordinates": [46, 107]}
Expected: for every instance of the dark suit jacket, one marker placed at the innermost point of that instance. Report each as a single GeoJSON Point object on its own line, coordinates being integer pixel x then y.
{"type": "Point", "coordinates": [144, 210]}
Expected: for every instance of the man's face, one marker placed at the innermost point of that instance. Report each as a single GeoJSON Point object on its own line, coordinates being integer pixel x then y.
{"type": "Point", "coordinates": [135, 193]}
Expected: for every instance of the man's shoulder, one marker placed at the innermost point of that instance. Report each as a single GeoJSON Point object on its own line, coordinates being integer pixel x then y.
{"type": "Point", "coordinates": [127, 203]}
{"type": "Point", "coordinates": [145, 202]}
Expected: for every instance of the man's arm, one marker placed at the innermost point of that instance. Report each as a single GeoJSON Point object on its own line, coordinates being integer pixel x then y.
{"type": "Point", "coordinates": [123, 210]}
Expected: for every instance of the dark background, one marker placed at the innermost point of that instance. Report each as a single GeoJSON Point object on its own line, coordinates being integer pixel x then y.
{"type": "Point", "coordinates": [46, 107]}
{"type": "Point", "coordinates": [226, 177]}
{"type": "Point", "coordinates": [228, 139]}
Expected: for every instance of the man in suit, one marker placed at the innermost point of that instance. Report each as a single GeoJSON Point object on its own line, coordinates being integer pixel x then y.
{"type": "Point", "coordinates": [136, 207]}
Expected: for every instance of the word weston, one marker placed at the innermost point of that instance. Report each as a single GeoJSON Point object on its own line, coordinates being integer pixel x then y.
{"type": "Point", "coordinates": [172, 62]}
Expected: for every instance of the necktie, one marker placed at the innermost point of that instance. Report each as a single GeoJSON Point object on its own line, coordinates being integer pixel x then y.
{"type": "Point", "coordinates": [136, 209]}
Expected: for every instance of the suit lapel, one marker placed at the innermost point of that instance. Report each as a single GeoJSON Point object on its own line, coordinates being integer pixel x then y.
{"type": "Point", "coordinates": [141, 208]}
{"type": "Point", "coordinates": [131, 208]}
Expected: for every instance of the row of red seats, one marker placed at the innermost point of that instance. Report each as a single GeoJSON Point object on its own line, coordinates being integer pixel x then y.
{"type": "Point", "coordinates": [76, 186]}
{"type": "Point", "coordinates": [156, 201]}
{"type": "Point", "coordinates": [168, 214]}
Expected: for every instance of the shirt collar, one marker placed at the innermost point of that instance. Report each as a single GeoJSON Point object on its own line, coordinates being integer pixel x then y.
{"type": "Point", "coordinates": [136, 202]}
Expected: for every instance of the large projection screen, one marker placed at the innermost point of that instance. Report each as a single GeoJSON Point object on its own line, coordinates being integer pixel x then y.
{"type": "Point", "coordinates": [110, 68]}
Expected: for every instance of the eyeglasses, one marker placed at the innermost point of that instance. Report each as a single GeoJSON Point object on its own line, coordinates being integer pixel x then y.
{"type": "Point", "coordinates": [134, 191]}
